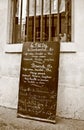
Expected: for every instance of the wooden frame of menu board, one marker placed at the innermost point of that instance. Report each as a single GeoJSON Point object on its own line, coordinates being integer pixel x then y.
{"type": "Point", "coordinates": [39, 81]}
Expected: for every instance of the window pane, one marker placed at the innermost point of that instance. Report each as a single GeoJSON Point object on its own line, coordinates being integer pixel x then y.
{"type": "Point", "coordinates": [23, 22]}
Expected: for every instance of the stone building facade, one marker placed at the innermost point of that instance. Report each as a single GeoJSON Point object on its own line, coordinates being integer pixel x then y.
{"type": "Point", "coordinates": [70, 100]}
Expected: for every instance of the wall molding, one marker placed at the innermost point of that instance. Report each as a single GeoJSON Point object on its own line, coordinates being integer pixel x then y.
{"type": "Point", "coordinates": [65, 47]}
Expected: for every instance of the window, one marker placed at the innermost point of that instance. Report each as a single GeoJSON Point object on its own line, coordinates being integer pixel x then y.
{"type": "Point", "coordinates": [41, 20]}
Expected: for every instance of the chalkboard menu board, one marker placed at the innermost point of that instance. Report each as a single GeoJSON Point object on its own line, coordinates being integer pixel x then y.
{"type": "Point", "coordinates": [39, 81]}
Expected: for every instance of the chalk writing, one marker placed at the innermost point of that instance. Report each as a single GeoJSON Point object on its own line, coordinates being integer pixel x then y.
{"type": "Point", "coordinates": [38, 83]}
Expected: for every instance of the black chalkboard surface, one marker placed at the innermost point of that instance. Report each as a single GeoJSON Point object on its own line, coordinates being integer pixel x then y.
{"type": "Point", "coordinates": [39, 81]}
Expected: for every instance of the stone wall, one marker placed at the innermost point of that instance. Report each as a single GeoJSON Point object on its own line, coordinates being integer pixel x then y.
{"type": "Point", "coordinates": [71, 86]}
{"type": "Point", "coordinates": [9, 64]}
{"type": "Point", "coordinates": [9, 79]}
{"type": "Point", "coordinates": [3, 23]}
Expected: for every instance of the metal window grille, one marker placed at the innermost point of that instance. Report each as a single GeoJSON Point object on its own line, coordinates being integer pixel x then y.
{"type": "Point", "coordinates": [41, 20]}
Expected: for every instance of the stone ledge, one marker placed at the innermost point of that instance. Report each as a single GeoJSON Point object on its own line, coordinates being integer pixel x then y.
{"type": "Point", "coordinates": [68, 47]}
{"type": "Point", "coordinates": [65, 47]}
{"type": "Point", "coordinates": [13, 48]}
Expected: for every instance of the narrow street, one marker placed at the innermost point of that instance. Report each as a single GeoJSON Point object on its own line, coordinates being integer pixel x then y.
{"type": "Point", "coordinates": [9, 121]}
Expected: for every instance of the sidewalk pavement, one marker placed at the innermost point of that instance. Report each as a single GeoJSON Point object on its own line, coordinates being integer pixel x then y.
{"type": "Point", "coordinates": [9, 121]}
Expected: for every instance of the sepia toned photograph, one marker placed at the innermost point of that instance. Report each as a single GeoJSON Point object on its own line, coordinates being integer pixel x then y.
{"type": "Point", "coordinates": [41, 65]}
